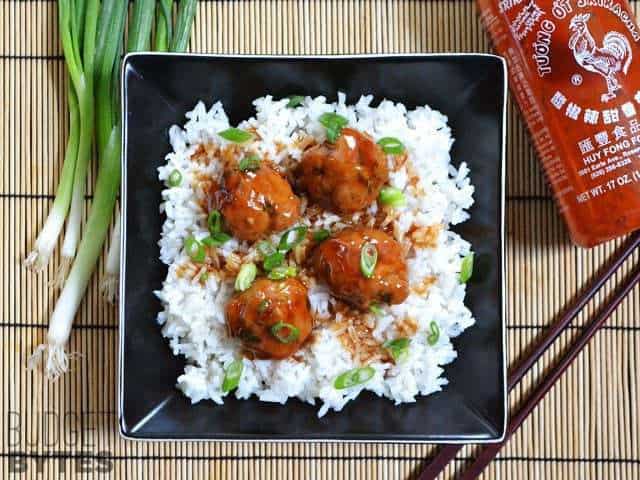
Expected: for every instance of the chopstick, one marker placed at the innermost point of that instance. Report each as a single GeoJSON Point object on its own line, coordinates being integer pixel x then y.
{"type": "Point", "coordinates": [448, 452]}
{"type": "Point", "coordinates": [488, 453]}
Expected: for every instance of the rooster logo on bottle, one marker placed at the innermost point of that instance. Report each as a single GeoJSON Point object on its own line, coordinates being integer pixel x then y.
{"type": "Point", "coordinates": [610, 59]}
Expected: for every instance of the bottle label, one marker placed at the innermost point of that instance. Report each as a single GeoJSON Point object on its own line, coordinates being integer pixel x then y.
{"type": "Point", "coordinates": [581, 59]}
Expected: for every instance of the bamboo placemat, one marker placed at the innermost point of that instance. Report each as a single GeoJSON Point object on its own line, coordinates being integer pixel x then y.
{"type": "Point", "coordinates": [586, 428]}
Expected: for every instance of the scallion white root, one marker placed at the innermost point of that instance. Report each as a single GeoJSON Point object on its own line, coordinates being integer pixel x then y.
{"type": "Point", "coordinates": [109, 285]}
{"type": "Point", "coordinates": [39, 257]}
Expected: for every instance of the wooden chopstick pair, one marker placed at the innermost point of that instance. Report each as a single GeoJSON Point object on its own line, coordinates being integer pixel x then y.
{"type": "Point", "coordinates": [448, 452]}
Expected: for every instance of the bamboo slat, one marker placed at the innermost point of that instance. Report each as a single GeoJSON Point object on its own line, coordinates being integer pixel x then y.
{"type": "Point", "coordinates": [586, 428]}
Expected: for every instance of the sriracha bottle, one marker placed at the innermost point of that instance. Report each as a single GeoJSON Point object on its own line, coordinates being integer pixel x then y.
{"type": "Point", "coordinates": [574, 69]}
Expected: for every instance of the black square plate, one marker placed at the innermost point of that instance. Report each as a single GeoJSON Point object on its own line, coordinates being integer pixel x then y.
{"type": "Point", "coordinates": [158, 89]}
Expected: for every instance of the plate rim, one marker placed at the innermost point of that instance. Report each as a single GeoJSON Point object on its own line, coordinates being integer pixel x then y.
{"type": "Point", "coordinates": [123, 208]}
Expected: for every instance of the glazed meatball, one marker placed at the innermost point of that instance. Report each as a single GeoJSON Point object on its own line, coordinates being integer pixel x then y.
{"type": "Point", "coordinates": [257, 203]}
{"type": "Point", "coordinates": [345, 177]}
{"type": "Point", "coordinates": [336, 261]}
{"type": "Point", "coordinates": [272, 318]}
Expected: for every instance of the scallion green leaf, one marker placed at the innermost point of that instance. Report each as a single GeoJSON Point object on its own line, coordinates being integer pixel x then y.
{"type": "Point", "coordinates": [391, 145]}
{"type": "Point", "coordinates": [235, 135]}
{"type": "Point", "coordinates": [246, 276]}
{"type": "Point", "coordinates": [368, 259]}
{"type": "Point", "coordinates": [392, 197]}
{"type": "Point", "coordinates": [434, 333]}
{"type": "Point", "coordinates": [175, 178]}
{"type": "Point", "coordinates": [214, 221]}
{"type": "Point", "coordinates": [280, 273]}
{"type": "Point", "coordinates": [232, 375]}
{"type": "Point", "coordinates": [295, 101]}
{"type": "Point", "coordinates": [250, 162]}
{"type": "Point", "coordinates": [466, 268]}
{"type": "Point", "coordinates": [184, 21]}
{"type": "Point", "coordinates": [285, 332]}
{"type": "Point", "coordinates": [216, 239]}
{"type": "Point", "coordinates": [354, 377]}
{"type": "Point", "coordinates": [291, 238]}
{"type": "Point", "coordinates": [334, 124]}
{"type": "Point", "coordinates": [272, 261]}
{"type": "Point", "coordinates": [376, 309]}
{"type": "Point", "coordinates": [321, 235]}
{"type": "Point", "coordinates": [194, 249]}
{"type": "Point", "coordinates": [398, 348]}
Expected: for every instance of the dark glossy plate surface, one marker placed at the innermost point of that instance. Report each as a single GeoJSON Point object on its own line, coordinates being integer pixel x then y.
{"type": "Point", "coordinates": [158, 90]}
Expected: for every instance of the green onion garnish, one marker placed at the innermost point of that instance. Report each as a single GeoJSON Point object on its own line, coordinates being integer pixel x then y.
{"type": "Point", "coordinates": [368, 259]}
{"type": "Point", "coordinates": [466, 269]}
{"type": "Point", "coordinates": [434, 333]}
{"type": "Point", "coordinates": [398, 348]}
{"type": "Point", "coordinates": [353, 377]}
{"type": "Point", "coordinates": [204, 277]}
{"type": "Point", "coordinates": [214, 221]}
{"type": "Point", "coordinates": [272, 261]}
{"type": "Point", "coordinates": [232, 376]}
{"type": "Point", "coordinates": [280, 273]}
{"type": "Point", "coordinates": [334, 124]}
{"type": "Point", "coordinates": [175, 178]}
{"type": "Point", "coordinates": [391, 196]}
{"type": "Point", "coordinates": [216, 239]}
{"type": "Point", "coordinates": [291, 238]}
{"type": "Point", "coordinates": [266, 248]}
{"type": "Point", "coordinates": [235, 135]}
{"type": "Point", "coordinates": [194, 249]}
{"type": "Point", "coordinates": [250, 162]}
{"type": "Point", "coordinates": [321, 235]}
{"type": "Point", "coordinates": [293, 335]}
{"type": "Point", "coordinates": [376, 309]}
{"type": "Point", "coordinates": [295, 101]}
{"type": "Point", "coordinates": [246, 276]}
{"type": "Point", "coordinates": [391, 145]}
{"type": "Point", "coordinates": [264, 304]}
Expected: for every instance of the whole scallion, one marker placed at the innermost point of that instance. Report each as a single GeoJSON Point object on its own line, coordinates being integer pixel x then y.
{"type": "Point", "coordinates": [108, 182]}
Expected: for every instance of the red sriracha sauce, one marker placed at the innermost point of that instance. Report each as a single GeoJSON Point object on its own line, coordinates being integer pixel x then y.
{"type": "Point", "coordinates": [574, 69]}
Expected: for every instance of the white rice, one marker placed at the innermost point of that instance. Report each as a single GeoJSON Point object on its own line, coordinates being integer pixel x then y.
{"type": "Point", "coordinates": [193, 315]}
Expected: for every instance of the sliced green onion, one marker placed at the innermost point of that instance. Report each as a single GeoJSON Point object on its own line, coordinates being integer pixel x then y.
{"type": "Point", "coordinates": [246, 276]}
{"type": "Point", "coordinates": [321, 235]}
{"type": "Point", "coordinates": [264, 304]}
{"type": "Point", "coordinates": [376, 309]}
{"type": "Point", "coordinates": [214, 221]}
{"type": "Point", "coordinates": [232, 376]}
{"type": "Point", "coordinates": [295, 101]}
{"type": "Point", "coordinates": [292, 336]}
{"type": "Point", "coordinates": [368, 259]}
{"type": "Point", "coordinates": [204, 277]}
{"type": "Point", "coordinates": [272, 261]}
{"type": "Point", "coordinates": [194, 249]}
{"type": "Point", "coordinates": [466, 269]}
{"type": "Point", "coordinates": [398, 348]}
{"type": "Point", "coordinates": [353, 377]}
{"type": "Point", "coordinates": [250, 162]}
{"type": "Point", "coordinates": [280, 273]}
{"type": "Point", "coordinates": [175, 178]}
{"type": "Point", "coordinates": [434, 333]}
{"type": "Point", "coordinates": [266, 248]}
{"type": "Point", "coordinates": [216, 239]}
{"type": "Point", "coordinates": [291, 238]}
{"type": "Point", "coordinates": [391, 145]}
{"type": "Point", "coordinates": [334, 124]}
{"type": "Point", "coordinates": [391, 196]}
{"type": "Point", "coordinates": [235, 135]}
